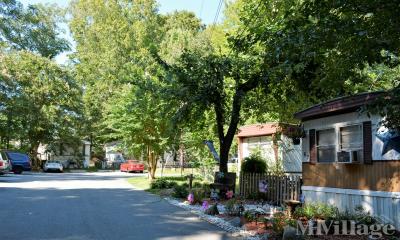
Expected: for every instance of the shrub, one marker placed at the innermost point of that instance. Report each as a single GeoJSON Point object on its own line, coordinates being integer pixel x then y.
{"type": "Point", "coordinates": [162, 183]}
{"type": "Point", "coordinates": [213, 210]}
{"type": "Point", "coordinates": [316, 211]}
{"type": "Point", "coordinates": [359, 215]}
{"type": "Point", "coordinates": [197, 185]}
{"type": "Point", "coordinates": [279, 221]}
{"type": "Point", "coordinates": [249, 216]}
{"type": "Point", "coordinates": [180, 192]}
{"type": "Point", "coordinates": [255, 196]}
{"type": "Point", "coordinates": [174, 178]}
{"type": "Point", "coordinates": [254, 164]}
{"type": "Point", "coordinates": [198, 196]}
{"type": "Point", "coordinates": [232, 207]}
{"type": "Point", "coordinates": [325, 211]}
{"type": "Point", "coordinates": [205, 187]}
{"type": "Point", "coordinates": [172, 184]}
{"type": "Point", "coordinates": [253, 214]}
{"type": "Point", "coordinates": [158, 184]}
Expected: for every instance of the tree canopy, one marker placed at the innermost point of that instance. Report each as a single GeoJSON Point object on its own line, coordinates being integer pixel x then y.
{"type": "Point", "coordinates": [35, 28]}
{"type": "Point", "coordinates": [39, 100]}
{"type": "Point", "coordinates": [167, 82]}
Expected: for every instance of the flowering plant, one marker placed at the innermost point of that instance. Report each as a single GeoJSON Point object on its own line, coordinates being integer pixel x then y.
{"type": "Point", "coordinates": [190, 198]}
{"type": "Point", "coordinates": [229, 194]}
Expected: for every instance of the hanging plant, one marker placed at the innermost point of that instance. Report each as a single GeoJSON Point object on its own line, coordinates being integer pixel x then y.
{"type": "Point", "coordinates": [296, 141]}
{"type": "Point", "coordinates": [293, 131]}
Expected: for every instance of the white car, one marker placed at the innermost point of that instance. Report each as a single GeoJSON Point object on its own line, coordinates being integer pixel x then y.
{"type": "Point", "coordinates": [53, 166]}
{"type": "Point", "coordinates": [5, 164]}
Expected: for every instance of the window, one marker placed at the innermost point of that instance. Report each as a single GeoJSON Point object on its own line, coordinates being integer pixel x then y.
{"type": "Point", "coordinates": [351, 140]}
{"type": "Point", "coordinates": [262, 145]}
{"type": "Point", "coordinates": [326, 145]}
{"type": "Point", "coordinates": [3, 156]}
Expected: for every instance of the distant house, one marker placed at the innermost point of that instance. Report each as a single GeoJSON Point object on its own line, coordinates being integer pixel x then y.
{"type": "Point", "coordinates": [349, 159]}
{"type": "Point", "coordinates": [69, 155]}
{"type": "Point", "coordinates": [260, 138]}
{"type": "Point", "coordinates": [114, 152]}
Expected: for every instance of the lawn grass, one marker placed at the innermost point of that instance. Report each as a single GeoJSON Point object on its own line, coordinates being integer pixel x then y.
{"type": "Point", "coordinates": [175, 171]}
{"type": "Point", "coordinates": [143, 183]}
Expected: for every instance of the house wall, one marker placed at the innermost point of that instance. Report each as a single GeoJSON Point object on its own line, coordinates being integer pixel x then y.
{"type": "Point", "coordinates": [380, 176]}
{"type": "Point", "coordinates": [341, 120]}
{"type": "Point", "coordinates": [115, 157]}
{"type": "Point", "coordinates": [385, 205]}
{"type": "Point", "coordinates": [374, 186]}
{"type": "Point", "coordinates": [113, 153]}
{"type": "Point", "coordinates": [66, 154]}
{"type": "Point", "coordinates": [289, 154]}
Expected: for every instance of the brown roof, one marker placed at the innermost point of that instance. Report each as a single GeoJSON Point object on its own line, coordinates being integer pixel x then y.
{"type": "Point", "coordinates": [258, 130]}
{"type": "Point", "coordinates": [338, 106]}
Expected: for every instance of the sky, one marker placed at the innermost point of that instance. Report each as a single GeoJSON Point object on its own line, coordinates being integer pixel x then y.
{"type": "Point", "coordinates": [204, 9]}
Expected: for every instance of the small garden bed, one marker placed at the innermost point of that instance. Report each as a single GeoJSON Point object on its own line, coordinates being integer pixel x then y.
{"type": "Point", "coordinates": [249, 218]}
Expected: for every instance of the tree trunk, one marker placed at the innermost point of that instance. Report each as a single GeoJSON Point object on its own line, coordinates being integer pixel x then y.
{"type": "Point", "coordinates": [152, 163]}
{"type": "Point", "coordinates": [182, 158]}
{"type": "Point", "coordinates": [226, 141]}
{"type": "Point", "coordinates": [34, 156]}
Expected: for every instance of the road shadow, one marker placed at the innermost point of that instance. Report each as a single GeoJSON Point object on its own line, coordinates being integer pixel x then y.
{"type": "Point", "coordinates": [33, 177]}
{"type": "Point", "coordinates": [86, 214]}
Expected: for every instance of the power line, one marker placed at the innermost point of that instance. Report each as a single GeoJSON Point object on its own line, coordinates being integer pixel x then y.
{"type": "Point", "coordinates": [218, 11]}
{"type": "Point", "coordinates": [249, 23]}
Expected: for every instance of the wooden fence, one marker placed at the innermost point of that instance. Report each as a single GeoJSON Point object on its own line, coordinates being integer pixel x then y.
{"type": "Point", "coordinates": [278, 188]}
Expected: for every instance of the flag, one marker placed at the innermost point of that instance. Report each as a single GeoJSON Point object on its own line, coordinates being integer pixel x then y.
{"type": "Point", "coordinates": [210, 145]}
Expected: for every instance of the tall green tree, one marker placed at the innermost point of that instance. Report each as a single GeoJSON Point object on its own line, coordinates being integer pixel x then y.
{"type": "Point", "coordinates": [42, 100]}
{"type": "Point", "coordinates": [39, 99]}
{"type": "Point", "coordinates": [35, 28]}
{"type": "Point", "coordinates": [140, 119]}
{"type": "Point", "coordinates": [112, 43]}
{"type": "Point", "coordinates": [325, 49]}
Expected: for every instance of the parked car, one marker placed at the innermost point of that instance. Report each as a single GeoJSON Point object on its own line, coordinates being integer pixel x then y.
{"type": "Point", "coordinates": [53, 166]}
{"type": "Point", "coordinates": [132, 166]}
{"type": "Point", "coordinates": [19, 161]}
{"type": "Point", "coordinates": [5, 165]}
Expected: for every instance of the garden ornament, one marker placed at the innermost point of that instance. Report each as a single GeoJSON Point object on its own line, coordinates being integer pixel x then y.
{"type": "Point", "coordinates": [241, 208]}
{"type": "Point", "coordinates": [214, 194]}
{"type": "Point", "coordinates": [204, 205]}
{"type": "Point", "coordinates": [190, 198]}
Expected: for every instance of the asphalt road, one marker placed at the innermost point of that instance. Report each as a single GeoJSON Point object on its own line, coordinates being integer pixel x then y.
{"type": "Point", "coordinates": [91, 206]}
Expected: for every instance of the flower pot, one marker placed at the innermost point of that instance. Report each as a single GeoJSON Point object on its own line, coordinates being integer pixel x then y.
{"type": "Point", "coordinates": [296, 141]}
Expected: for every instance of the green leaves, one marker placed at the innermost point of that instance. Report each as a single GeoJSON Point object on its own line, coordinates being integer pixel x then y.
{"type": "Point", "coordinates": [34, 28]}
{"type": "Point", "coordinates": [42, 100]}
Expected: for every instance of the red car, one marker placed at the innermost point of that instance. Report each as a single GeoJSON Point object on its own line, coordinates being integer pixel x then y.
{"type": "Point", "coordinates": [132, 166]}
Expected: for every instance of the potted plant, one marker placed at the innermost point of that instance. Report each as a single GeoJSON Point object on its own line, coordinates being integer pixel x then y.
{"type": "Point", "coordinates": [294, 132]}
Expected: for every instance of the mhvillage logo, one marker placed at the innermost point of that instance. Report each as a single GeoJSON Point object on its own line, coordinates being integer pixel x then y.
{"type": "Point", "coordinates": [344, 227]}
